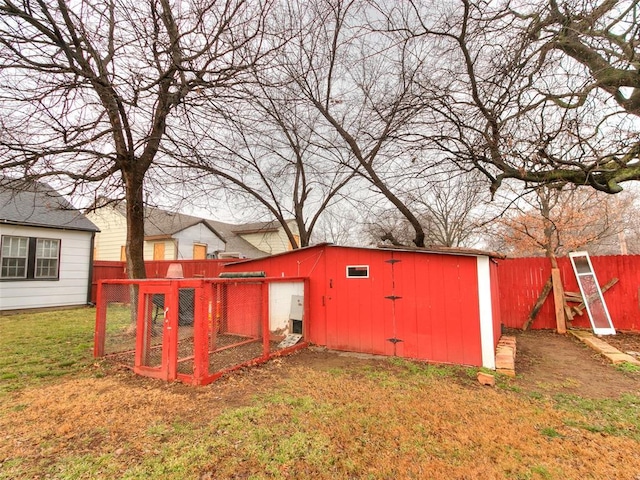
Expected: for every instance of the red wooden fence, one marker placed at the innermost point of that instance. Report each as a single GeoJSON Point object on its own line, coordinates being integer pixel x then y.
{"type": "Point", "coordinates": [105, 270]}
{"type": "Point", "coordinates": [522, 279]}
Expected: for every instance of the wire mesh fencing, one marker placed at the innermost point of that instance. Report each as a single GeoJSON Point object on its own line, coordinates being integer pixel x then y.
{"type": "Point", "coordinates": [236, 334]}
{"type": "Point", "coordinates": [196, 330]}
{"type": "Point", "coordinates": [120, 322]}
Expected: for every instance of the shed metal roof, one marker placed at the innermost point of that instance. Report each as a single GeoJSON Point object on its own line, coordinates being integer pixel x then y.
{"type": "Point", "coordinates": [466, 252]}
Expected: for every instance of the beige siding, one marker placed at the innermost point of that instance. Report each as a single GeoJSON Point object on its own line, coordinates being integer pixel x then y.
{"type": "Point", "coordinates": [271, 242]}
{"type": "Point", "coordinates": [169, 249]}
{"type": "Point", "coordinates": [113, 233]}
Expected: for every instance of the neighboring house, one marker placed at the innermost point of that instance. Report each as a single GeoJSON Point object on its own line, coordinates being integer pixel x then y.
{"type": "Point", "coordinates": [176, 236]}
{"type": "Point", "coordinates": [269, 237]}
{"type": "Point", "coordinates": [46, 248]}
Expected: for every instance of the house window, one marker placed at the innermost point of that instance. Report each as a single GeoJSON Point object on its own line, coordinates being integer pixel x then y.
{"type": "Point", "coordinates": [14, 257]}
{"type": "Point", "coordinates": [30, 258]}
{"type": "Point", "coordinates": [47, 258]}
{"type": "Point", "coordinates": [358, 271]}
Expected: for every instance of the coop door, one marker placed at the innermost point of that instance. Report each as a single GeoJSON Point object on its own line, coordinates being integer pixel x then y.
{"type": "Point", "coordinates": [591, 294]}
{"type": "Point", "coordinates": [156, 354]}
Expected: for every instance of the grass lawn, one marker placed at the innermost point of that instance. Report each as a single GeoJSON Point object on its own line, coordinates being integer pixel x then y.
{"type": "Point", "coordinates": [314, 415]}
{"type": "Point", "coordinates": [37, 346]}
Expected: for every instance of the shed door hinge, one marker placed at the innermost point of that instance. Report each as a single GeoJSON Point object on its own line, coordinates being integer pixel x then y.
{"type": "Point", "coordinates": [393, 297]}
{"type": "Point", "coordinates": [392, 261]}
{"type": "Point", "coordinates": [394, 340]}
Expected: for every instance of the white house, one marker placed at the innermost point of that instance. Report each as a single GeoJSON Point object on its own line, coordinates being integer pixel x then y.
{"type": "Point", "coordinates": [176, 236]}
{"type": "Point", "coordinates": [46, 248]}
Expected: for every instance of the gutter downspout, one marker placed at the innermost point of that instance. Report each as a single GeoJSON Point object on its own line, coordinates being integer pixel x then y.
{"type": "Point", "coordinates": [91, 248]}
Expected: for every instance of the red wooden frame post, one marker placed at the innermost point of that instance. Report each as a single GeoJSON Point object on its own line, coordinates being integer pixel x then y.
{"type": "Point", "coordinates": [214, 323]}
{"type": "Point", "coordinates": [201, 325]}
{"type": "Point", "coordinates": [170, 334]}
{"type": "Point", "coordinates": [143, 333]}
{"type": "Point", "coordinates": [101, 320]}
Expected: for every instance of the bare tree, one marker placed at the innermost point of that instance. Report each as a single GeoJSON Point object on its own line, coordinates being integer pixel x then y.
{"type": "Point", "coordinates": [361, 81]}
{"type": "Point", "coordinates": [88, 89]}
{"type": "Point", "coordinates": [268, 149]}
{"type": "Point", "coordinates": [544, 93]}
{"type": "Point", "coordinates": [452, 208]}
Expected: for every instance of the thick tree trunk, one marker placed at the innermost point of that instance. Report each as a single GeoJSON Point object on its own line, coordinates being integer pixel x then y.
{"type": "Point", "coordinates": [135, 225]}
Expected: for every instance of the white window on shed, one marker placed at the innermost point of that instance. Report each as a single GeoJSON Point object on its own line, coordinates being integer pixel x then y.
{"type": "Point", "coordinates": [357, 271]}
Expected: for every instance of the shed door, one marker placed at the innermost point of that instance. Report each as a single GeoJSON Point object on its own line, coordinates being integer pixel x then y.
{"type": "Point", "coordinates": [432, 308]}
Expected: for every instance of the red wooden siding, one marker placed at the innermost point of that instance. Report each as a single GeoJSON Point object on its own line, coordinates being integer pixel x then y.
{"type": "Point", "coordinates": [522, 279]}
{"type": "Point", "coordinates": [355, 307]}
{"type": "Point", "coordinates": [242, 308]}
{"type": "Point", "coordinates": [436, 317]}
{"type": "Point", "coordinates": [107, 270]}
{"type": "Point", "coordinates": [190, 268]}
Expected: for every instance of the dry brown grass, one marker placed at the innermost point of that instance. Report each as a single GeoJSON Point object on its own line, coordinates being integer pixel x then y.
{"type": "Point", "coordinates": [298, 418]}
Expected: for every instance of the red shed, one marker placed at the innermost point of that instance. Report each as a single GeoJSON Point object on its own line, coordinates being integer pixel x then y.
{"type": "Point", "coordinates": [435, 305]}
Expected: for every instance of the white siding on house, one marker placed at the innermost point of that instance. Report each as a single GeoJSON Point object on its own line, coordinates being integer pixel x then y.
{"type": "Point", "coordinates": [113, 233]}
{"type": "Point", "coordinates": [73, 285]}
{"type": "Point", "coordinates": [197, 234]}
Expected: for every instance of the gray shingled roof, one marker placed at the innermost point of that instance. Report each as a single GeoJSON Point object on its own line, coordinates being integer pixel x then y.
{"type": "Point", "coordinates": [257, 227]}
{"type": "Point", "coordinates": [235, 243]}
{"type": "Point", "coordinates": [36, 204]}
{"type": "Point", "coordinates": [160, 222]}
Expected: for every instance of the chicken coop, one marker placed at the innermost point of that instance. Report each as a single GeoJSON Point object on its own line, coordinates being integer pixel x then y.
{"type": "Point", "coordinates": [196, 330]}
{"type": "Point", "coordinates": [437, 304]}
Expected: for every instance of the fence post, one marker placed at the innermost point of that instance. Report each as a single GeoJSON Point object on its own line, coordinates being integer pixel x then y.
{"type": "Point", "coordinates": [201, 323]}
{"type": "Point", "coordinates": [101, 320]}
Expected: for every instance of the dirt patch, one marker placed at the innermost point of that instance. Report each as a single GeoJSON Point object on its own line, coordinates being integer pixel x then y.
{"type": "Point", "coordinates": [626, 342]}
{"type": "Point", "coordinates": [550, 363]}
